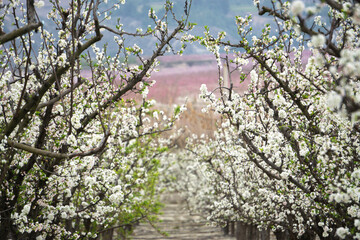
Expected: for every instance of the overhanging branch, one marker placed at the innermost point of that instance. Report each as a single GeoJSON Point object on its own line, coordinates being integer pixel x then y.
{"type": "Point", "coordinates": [46, 153]}
{"type": "Point", "coordinates": [19, 32]}
{"type": "Point", "coordinates": [35, 150]}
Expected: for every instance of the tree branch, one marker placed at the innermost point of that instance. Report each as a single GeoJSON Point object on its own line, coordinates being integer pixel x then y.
{"type": "Point", "coordinates": [35, 150]}
{"type": "Point", "coordinates": [125, 33]}
{"type": "Point", "coordinates": [61, 95]}
{"type": "Point", "coordinates": [46, 153]}
{"type": "Point", "coordinates": [19, 32]}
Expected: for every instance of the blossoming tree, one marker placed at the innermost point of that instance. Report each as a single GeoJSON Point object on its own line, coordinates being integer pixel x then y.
{"type": "Point", "coordinates": [79, 158]}
{"type": "Point", "coordinates": [286, 153]}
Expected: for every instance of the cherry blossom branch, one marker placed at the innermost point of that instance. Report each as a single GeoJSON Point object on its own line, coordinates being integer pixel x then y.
{"type": "Point", "coordinates": [36, 151]}
{"type": "Point", "coordinates": [125, 33]}
{"type": "Point", "coordinates": [19, 32]}
{"type": "Point", "coordinates": [33, 102]}
{"type": "Point", "coordinates": [136, 79]}
{"type": "Point", "coordinates": [46, 153]}
{"type": "Point", "coordinates": [331, 49]}
{"type": "Point", "coordinates": [61, 95]}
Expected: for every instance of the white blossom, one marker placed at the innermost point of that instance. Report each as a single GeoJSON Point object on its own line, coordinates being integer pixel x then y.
{"type": "Point", "coordinates": [64, 215]}
{"type": "Point", "coordinates": [342, 232]}
{"type": "Point", "coordinates": [318, 40]}
{"type": "Point", "coordinates": [334, 100]}
{"type": "Point", "coordinates": [50, 216]}
{"type": "Point", "coordinates": [297, 7]}
{"type": "Point", "coordinates": [26, 209]}
{"type": "Point", "coordinates": [282, 113]}
{"type": "Point", "coordinates": [39, 4]}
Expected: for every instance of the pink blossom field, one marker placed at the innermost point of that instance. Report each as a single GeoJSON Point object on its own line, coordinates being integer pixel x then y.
{"type": "Point", "coordinates": [184, 79]}
{"type": "Point", "coordinates": [180, 77]}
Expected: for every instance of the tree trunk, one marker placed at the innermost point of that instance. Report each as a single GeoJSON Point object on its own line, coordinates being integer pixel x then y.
{"type": "Point", "coordinates": [286, 235]}
{"type": "Point", "coordinates": [226, 229]}
{"type": "Point", "coordinates": [282, 235]}
{"type": "Point", "coordinates": [108, 234]}
{"type": "Point", "coordinates": [265, 234]}
{"type": "Point", "coordinates": [308, 235]}
{"type": "Point", "coordinates": [232, 229]}
{"type": "Point", "coordinates": [250, 232]}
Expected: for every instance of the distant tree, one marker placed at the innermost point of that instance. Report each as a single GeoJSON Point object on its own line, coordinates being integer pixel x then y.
{"type": "Point", "coordinates": [78, 156]}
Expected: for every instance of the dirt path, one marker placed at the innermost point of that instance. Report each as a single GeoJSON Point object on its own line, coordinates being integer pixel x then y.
{"type": "Point", "coordinates": [179, 224]}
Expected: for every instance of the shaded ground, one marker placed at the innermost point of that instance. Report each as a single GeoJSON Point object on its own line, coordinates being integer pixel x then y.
{"type": "Point", "coordinates": [179, 224]}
